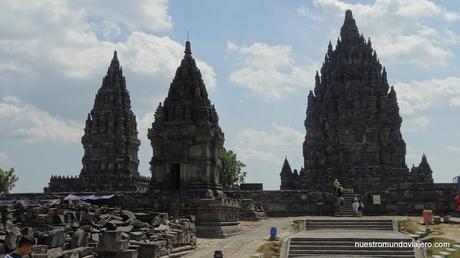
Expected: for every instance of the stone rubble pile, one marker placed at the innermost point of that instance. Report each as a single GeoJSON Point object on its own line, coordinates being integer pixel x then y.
{"type": "Point", "coordinates": [251, 210]}
{"type": "Point", "coordinates": [74, 229]}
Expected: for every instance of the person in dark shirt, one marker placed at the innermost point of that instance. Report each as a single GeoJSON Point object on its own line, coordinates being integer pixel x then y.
{"type": "Point", "coordinates": [24, 248]}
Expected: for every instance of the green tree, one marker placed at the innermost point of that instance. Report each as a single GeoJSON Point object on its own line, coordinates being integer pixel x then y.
{"type": "Point", "coordinates": [232, 169]}
{"type": "Point", "coordinates": [7, 181]}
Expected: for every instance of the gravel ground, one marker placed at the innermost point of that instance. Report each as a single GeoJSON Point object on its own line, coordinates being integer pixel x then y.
{"type": "Point", "coordinates": [245, 244]}
{"type": "Point", "coordinates": [255, 234]}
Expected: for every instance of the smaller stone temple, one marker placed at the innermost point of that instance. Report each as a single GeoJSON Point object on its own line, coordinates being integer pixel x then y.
{"type": "Point", "coordinates": [289, 179]}
{"type": "Point", "coordinates": [422, 173]}
{"type": "Point", "coordinates": [110, 162]}
{"type": "Point", "coordinates": [186, 137]}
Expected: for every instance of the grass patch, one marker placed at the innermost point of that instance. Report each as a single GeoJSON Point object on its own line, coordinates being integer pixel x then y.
{"type": "Point", "coordinates": [436, 250]}
{"type": "Point", "coordinates": [270, 249]}
{"type": "Point", "coordinates": [409, 225]}
{"type": "Point", "coordinates": [295, 227]}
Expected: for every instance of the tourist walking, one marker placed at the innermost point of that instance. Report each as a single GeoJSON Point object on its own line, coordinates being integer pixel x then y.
{"type": "Point", "coordinates": [355, 205]}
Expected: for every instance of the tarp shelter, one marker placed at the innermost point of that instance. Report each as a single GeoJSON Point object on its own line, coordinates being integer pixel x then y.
{"type": "Point", "coordinates": [88, 197]}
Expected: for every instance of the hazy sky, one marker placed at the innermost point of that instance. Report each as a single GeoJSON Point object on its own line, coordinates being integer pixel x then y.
{"type": "Point", "coordinates": [258, 59]}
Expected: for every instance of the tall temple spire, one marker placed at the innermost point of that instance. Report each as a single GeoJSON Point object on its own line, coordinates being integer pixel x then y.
{"type": "Point", "coordinates": [114, 64]}
{"type": "Point", "coordinates": [352, 106]}
{"type": "Point", "coordinates": [186, 116]}
{"type": "Point", "coordinates": [287, 176]}
{"type": "Point", "coordinates": [286, 166]}
{"type": "Point", "coordinates": [424, 162]}
{"type": "Point", "coordinates": [349, 30]}
{"type": "Point", "coordinates": [188, 48]}
{"type": "Point", "coordinates": [110, 160]}
{"type": "Point", "coordinates": [187, 92]}
{"type": "Point", "coordinates": [111, 118]}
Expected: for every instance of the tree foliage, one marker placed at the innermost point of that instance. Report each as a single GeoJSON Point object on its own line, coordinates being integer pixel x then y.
{"type": "Point", "coordinates": [231, 172]}
{"type": "Point", "coordinates": [7, 181]}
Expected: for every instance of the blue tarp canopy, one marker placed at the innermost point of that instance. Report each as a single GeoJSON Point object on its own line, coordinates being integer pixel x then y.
{"type": "Point", "coordinates": [88, 197]}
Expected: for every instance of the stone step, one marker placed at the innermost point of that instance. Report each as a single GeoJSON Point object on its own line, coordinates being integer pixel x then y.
{"type": "Point", "coordinates": [353, 228]}
{"type": "Point", "coordinates": [333, 246]}
{"type": "Point", "coordinates": [343, 239]}
{"type": "Point", "coordinates": [372, 252]}
{"type": "Point", "coordinates": [338, 242]}
{"type": "Point", "coordinates": [349, 221]}
{"type": "Point", "coordinates": [352, 256]}
{"type": "Point", "coordinates": [349, 224]}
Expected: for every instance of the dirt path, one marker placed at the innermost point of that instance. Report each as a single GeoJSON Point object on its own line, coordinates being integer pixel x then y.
{"type": "Point", "coordinates": [253, 235]}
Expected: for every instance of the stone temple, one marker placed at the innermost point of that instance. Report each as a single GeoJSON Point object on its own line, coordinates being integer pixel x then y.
{"type": "Point", "coordinates": [353, 123]}
{"type": "Point", "coordinates": [186, 137]}
{"type": "Point", "coordinates": [110, 142]}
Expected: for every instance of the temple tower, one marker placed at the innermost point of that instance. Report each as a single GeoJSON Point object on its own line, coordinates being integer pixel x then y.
{"type": "Point", "coordinates": [287, 176]}
{"type": "Point", "coordinates": [186, 137]}
{"type": "Point", "coordinates": [422, 173]}
{"type": "Point", "coordinates": [110, 142]}
{"type": "Point", "coordinates": [352, 120]}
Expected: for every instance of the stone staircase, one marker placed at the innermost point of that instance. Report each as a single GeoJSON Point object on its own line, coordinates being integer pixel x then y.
{"type": "Point", "coordinates": [358, 223]}
{"type": "Point", "coordinates": [345, 247]}
{"type": "Point", "coordinates": [347, 209]}
{"type": "Point", "coordinates": [343, 237]}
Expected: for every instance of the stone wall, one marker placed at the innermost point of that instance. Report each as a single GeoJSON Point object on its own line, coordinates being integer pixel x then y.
{"type": "Point", "coordinates": [292, 202]}
{"type": "Point", "coordinates": [113, 183]}
{"type": "Point", "coordinates": [403, 199]}
{"type": "Point", "coordinates": [411, 199]}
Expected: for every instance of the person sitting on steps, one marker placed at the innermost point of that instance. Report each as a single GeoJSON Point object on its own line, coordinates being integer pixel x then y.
{"type": "Point", "coordinates": [338, 188]}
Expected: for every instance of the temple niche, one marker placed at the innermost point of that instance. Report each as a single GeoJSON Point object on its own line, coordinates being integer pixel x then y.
{"type": "Point", "coordinates": [185, 138]}
{"type": "Point", "coordinates": [110, 142]}
{"type": "Point", "coordinates": [352, 122]}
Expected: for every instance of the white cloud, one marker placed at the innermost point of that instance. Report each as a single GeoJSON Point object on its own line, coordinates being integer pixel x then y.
{"type": "Point", "coordinates": [145, 123]}
{"type": "Point", "coordinates": [247, 153]}
{"type": "Point", "coordinates": [282, 136]}
{"type": "Point", "coordinates": [270, 71]}
{"type": "Point", "coordinates": [452, 37]}
{"type": "Point", "coordinates": [398, 30]}
{"type": "Point", "coordinates": [416, 96]}
{"type": "Point", "coordinates": [5, 160]}
{"type": "Point", "coordinates": [267, 145]}
{"type": "Point", "coordinates": [407, 48]}
{"type": "Point", "coordinates": [65, 35]}
{"type": "Point", "coordinates": [29, 124]}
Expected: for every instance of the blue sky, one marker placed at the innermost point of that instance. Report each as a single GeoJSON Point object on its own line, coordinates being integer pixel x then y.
{"type": "Point", "coordinates": [258, 59]}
